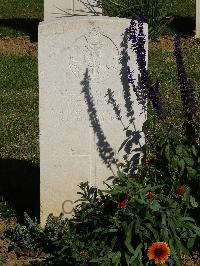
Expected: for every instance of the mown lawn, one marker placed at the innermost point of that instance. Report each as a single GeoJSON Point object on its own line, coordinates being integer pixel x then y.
{"type": "Point", "coordinates": [21, 8]}
{"type": "Point", "coordinates": [22, 17]}
{"type": "Point", "coordinates": [162, 67]}
{"type": "Point", "coordinates": [19, 130]}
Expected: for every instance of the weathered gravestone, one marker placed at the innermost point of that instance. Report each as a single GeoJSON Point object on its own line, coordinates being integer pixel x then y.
{"type": "Point", "coordinates": [80, 59]}
{"type": "Point", "coordinates": [54, 9]}
{"type": "Point", "coordinates": [198, 18]}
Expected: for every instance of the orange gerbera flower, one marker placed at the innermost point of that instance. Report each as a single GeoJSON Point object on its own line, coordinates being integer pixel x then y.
{"type": "Point", "coordinates": [159, 252]}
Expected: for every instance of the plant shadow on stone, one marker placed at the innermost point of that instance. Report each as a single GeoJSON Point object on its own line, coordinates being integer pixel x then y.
{"type": "Point", "coordinates": [131, 144]}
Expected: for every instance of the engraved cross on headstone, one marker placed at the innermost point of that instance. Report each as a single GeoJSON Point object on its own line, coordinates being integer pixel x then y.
{"type": "Point", "coordinates": [54, 9]}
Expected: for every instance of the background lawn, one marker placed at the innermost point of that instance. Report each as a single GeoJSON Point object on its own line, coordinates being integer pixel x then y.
{"type": "Point", "coordinates": [19, 80]}
{"type": "Point", "coordinates": [21, 17]}
{"type": "Point", "coordinates": [19, 130]}
{"type": "Point", "coordinates": [21, 8]}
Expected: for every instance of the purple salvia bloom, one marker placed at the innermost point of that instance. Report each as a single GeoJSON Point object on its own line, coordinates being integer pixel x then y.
{"type": "Point", "coordinates": [137, 39]}
{"type": "Point", "coordinates": [187, 91]}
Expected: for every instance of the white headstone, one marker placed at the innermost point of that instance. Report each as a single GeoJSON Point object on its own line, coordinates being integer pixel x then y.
{"type": "Point", "coordinates": [80, 58]}
{"type": "Point", "coordinates": [197, 18]}
{"type": "Point", "coordinates": [54, 9]}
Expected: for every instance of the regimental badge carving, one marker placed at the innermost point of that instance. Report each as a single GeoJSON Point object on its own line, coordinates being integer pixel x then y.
{"type": "Point", "coordinates": [96, 53]}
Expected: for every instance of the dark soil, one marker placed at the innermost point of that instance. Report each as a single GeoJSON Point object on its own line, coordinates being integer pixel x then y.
{"type": "Point", "coordinates": [166, 43]}
{"type": "Point", "coordinates": [18, 257]}
{"type": "Point", "coordinates": [18, 45]}
{"type": "Point", "coordinates": [25, 257]}
{"type": "Point", "coordinates": [23, 45]}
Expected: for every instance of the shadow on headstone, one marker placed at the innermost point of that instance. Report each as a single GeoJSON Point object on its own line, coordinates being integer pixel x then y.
{"type": "Point", "coordinates": [131, 144]}
{"type": "Point", "coordinates": [132, 156]}
{"type": "Point", "coordinates": [20, 186]}
{"type": "Point", "coordinates": [183, 26]}
{"type": "Point", "coordinates": [105, 150]}
{"type": "Point", "coordinates": [29, 26]}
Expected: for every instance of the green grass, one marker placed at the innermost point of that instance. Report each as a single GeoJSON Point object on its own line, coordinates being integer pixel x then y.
{"type": "Point", "coordinates": [17, 10]}
{"type": "Point", "coordinates": [19, 108]}
{"type": "Point", "coordinates": [20, 17]}
{"type": "Point", "coordinates": [21, 8]}
{"type": "Point", "coordinates": [162, 66]}
{"type": "Point", "coordinates": [184, 8]}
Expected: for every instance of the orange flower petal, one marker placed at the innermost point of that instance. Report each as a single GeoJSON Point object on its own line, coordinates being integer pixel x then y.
{"type": "Point", "coordinates": [159, 252]}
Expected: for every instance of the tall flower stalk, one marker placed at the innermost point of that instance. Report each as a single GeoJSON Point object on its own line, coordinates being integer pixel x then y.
{"type": "Point", "coordinates": [187, 94]}
{"type": "Point", "coordinates": [137, 38]}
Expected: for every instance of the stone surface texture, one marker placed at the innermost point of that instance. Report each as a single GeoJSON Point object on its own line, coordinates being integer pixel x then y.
{"type": "Point", "coordinates": [54, 9]}
{"type": "Point", "coordinates": [198, 18]}
{"type": "Point", "coordinates": [80, 58]}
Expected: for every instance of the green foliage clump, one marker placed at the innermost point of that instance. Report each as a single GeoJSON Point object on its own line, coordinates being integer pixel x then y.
{"type": "Point", "coordinates": [29, 235]}
{"type": "Point", "coordinates": [153, 10]}
{"type": "Point", "coordinates": [115, 226]}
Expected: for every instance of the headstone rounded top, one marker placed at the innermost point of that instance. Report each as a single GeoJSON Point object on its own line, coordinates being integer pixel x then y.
{"type": "Point", "coordinates": [76, 19]}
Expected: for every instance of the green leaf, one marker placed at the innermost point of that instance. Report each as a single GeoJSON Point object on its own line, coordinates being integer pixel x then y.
{"type": "Point", "coordinates": [193, 202]}
{"type": "Point", "coordinates": [191, 172]}
{"type": "Point", "coordinates": [98, 230]}
{"type": "Point", "coordinates": [181, 164]}
{"type": "Point", "coordinates": [168, 152]}
{"type": "Point", "coordinates": [127, 257]}
{"type": "Point", "coordinates": [113, 230]}
{"type": "Point", "coordinates": [137, 253]}
{"type": "Point", "coordinates": [163, 216]}
{"type": "Point", "coordinates": [116, 258]}
{"type": "Point", "coordinates": [179, 150]}
{"type": "Point", "coordinates": [129, 238]}
{"type": "Point", "coordinates": [183, 219]}
{"type": "Point", "coordinates": [190, 242]}
{"type": "Point", "coordinates": [182, 247]}
{"type": "Point", "coordinates": [191, 227]}
{"type": "Point", "coordinates": [173, 253]}
{"type": "Point", "coordinates": [194, 150]}
{"type": "Point", "coordinates": [189, 161]}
